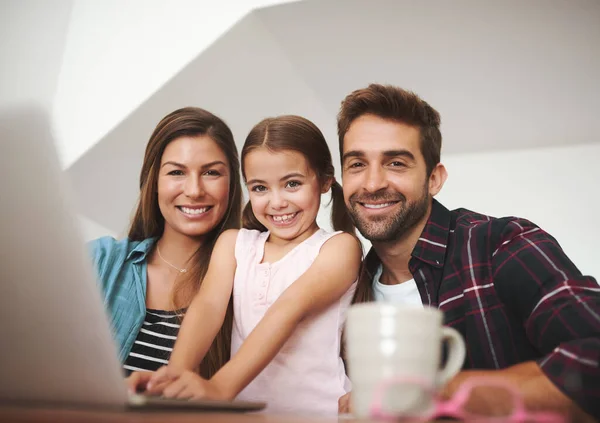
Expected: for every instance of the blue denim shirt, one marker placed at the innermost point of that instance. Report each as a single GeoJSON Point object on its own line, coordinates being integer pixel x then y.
{"type": "Point", "coordinates": [121, 267]}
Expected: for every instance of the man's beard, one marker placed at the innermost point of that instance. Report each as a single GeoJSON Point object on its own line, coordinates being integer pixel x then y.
{"type": "Point", "coordinates": [392, 226]}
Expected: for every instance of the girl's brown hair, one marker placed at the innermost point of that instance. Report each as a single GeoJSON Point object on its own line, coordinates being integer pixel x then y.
{"type": "Point", "coordinates": [148, 222]}
{"type": "Point", "coordinates": [295, 133]}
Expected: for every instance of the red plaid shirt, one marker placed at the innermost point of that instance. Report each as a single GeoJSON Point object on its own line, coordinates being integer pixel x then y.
{"type": "Point", "coordinates": [513, 294]}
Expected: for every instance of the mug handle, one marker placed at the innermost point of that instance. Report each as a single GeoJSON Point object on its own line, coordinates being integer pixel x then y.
{"type": "Point", "coordinates": [456, 355]}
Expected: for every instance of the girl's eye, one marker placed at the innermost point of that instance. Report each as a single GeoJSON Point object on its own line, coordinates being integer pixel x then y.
{"type": "Point", "coordinates": [293, 184]}
{"type": "Point", "coordinates": [176, 172]}
{"type": "Point", "coordinates": [259, 188]}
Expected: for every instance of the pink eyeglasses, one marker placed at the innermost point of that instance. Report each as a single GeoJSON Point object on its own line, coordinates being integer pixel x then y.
{"type": "Point", "coordinates": [456, 406]}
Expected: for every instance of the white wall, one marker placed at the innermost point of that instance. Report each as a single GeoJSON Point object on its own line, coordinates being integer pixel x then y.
{"type": "Point", "coordinates": [118, 53]}
{"type": "Point", "coordinates": [33, 34]}
{"type": "Point", "coordinates": [32, 40]}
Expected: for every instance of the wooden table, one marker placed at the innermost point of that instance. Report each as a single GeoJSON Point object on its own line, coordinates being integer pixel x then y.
{"type": "Point", "coordinates": [15, 414]}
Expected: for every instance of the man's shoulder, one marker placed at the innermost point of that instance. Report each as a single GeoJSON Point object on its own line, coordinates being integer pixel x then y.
{"type": "Point", "coordinates": [471, 224]}
{"type": "Point", "coordinates": [465, 219]}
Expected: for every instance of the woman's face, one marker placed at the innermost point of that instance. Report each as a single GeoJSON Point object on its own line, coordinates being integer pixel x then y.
{"type": "Point", "coordinates": [193, 185]}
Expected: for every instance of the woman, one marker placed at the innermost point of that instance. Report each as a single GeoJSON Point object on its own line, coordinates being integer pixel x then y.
{"type": "Point", "coordinates": [190, 193]}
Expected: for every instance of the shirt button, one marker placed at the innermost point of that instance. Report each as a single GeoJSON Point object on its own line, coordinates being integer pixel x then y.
{"type": "Point", "coordinates": [264, 283]}
{"type": "Point", "coordinates": [261, 296]}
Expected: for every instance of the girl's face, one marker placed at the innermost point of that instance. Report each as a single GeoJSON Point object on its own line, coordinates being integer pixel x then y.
{"type": "Point", "coordinates": [285, 193]}
{"type": "Point", "coordinates": [193, 185]}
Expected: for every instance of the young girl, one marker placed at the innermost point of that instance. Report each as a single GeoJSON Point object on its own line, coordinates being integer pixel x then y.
{"type": "Point", "coordinates": [292, 283]}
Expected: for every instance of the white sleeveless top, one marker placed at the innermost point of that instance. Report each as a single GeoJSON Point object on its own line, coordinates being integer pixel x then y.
{"type": "Point", "coordinates": [307, 376]}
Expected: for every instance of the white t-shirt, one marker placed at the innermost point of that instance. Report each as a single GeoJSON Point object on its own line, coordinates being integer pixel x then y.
{"type": "Point", "coordinates": [405, 293]}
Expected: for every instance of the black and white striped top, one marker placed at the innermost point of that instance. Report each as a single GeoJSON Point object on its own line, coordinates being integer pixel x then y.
{"type": "Point", "coordinates": [154, 343]}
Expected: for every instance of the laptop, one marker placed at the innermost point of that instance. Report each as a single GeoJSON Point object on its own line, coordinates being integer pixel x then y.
{"type": "Point", "coordinates": [56, 343]}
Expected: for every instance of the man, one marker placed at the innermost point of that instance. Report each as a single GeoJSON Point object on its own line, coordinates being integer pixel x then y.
{"type": "Point", "coordinates": [525, 311]}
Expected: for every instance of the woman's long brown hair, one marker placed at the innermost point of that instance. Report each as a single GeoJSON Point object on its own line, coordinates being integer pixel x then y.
{"type": "Point", "coordinates": [148, 222]}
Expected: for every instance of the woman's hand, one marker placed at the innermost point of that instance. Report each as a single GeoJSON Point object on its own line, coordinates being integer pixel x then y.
{"type": "Point", "coordinates": [151, 383]}
{"type": "Point", "coordinates": [162, 378]}
{"type": "Point", "coordinates": [137, 382]}
{"type": "Point", "coordinates": [190, 385]}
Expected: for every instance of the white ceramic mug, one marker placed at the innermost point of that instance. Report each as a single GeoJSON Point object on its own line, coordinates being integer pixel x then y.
{"type": "Point", "coordinates": [387, 341]}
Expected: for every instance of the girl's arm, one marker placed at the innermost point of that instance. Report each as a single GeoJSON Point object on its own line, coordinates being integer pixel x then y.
{"type": "Point", "coordinates": [206, 313]}
{"type": "Point", "coordinates": [201, 323]}
{"type": "Point", "coordinates": [329, 277]}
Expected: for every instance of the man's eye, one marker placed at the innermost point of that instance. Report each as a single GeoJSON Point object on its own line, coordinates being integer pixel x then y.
{"type": "Point", "coordinates": [397, 164]}
{"type": "Point", "coordinates": [355, 165]}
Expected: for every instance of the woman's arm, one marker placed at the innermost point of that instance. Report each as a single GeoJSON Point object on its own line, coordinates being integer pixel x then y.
{"type": "Point", "coordinates": [329, 277]}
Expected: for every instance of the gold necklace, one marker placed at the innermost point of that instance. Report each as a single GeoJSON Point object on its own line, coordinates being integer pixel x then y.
{"type": "Point", "coordinates": [172, 265]}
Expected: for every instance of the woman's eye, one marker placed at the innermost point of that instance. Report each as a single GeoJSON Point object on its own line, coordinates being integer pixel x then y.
{"type": "Point", "coordinates": [293, 184]}
{"type": "Point", "coordinates": [212, 172]}
{"type": "Point", "coordinates": [259, 188]}
{"type": "Point", "coordinates": [176, 172]}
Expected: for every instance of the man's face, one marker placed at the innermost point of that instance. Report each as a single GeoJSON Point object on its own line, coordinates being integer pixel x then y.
{"type": "Point", "coordinates": [386, 187]}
